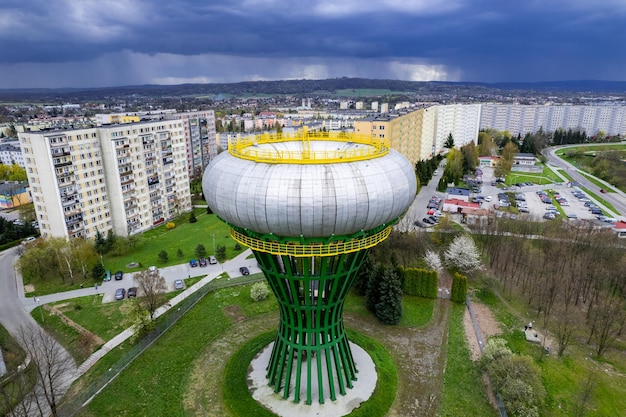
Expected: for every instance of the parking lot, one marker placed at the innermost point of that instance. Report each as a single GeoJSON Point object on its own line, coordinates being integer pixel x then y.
{"type": "Point", "coordinates": [522, 202]}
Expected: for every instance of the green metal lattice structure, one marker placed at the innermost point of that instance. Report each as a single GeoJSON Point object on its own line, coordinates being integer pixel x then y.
{"type": "Point", "coordinates": [311, 351]}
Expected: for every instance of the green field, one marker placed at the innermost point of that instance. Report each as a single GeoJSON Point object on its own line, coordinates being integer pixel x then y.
{"type": "Point", "coordinates": [185, 236]}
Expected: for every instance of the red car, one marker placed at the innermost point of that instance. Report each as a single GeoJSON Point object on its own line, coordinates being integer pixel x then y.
{"type": "Point", "coordinates": [602, 190]}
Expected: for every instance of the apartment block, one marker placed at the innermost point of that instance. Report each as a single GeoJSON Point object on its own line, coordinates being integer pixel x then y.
{"type": "Point", "coordinates": [522, 119]}
{"type": "Point", "coordinates": [200, 139]}
{"type": "Point", "coordinates": [126, 178]}
{"type": "Point", "coordinates": [419, 133]}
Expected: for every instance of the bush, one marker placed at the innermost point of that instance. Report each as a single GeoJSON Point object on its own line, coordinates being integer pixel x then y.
{"type": "Point", "coordinates": [421, 282]}
{"type": "Point", "coordinates": [192, 217]}
{"type": "Point", "coordinates": [163, 256]}
{"type": "Point", "coordinates": [459, 288]}
{"type": "Point", "coordinates": [237, 246]}
{"type": "Point", "coordinates": [170, 225]}
{"type": "Point", "coordinates": [180, 254]}
{"type": "Point", "coordinates": [259, 291]}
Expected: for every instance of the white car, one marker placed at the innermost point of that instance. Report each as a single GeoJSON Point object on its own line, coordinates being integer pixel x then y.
{"type": "Point", "coordinates": [488, 198]}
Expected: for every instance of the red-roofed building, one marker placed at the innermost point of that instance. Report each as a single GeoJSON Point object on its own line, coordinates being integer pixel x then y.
{"type": "Point", "coordinates": [620, 228]}
{"type": "Point", "coordinates": [454, 205]}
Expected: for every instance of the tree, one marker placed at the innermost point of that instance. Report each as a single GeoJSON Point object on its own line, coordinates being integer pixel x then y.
{"type": "Point", "coordinates": [163, 257]}
{"type": "Point", "coordinates": [200, 251]}
{"type": "Point", "coordinates": [361, 279]}
{"type": "Point", "coordinates": [179, 253]}
{"type": "Point", "coordinates": [463, 254]}
{"type": "Point", "coordinates": [220, 252]}
{"type": "Point", "coordinates": [449, 142]}
{"type": "Point", "coordinates": [192, 217]}
{"type": "Point", "coordinates": [138, 315]}
{"type": "Point", "coordinates": [53, 366]}
{"type": "Point", "coordinates": [98, 271]}
{"type": "Point", "coordinates": [152, 285]}
{"type": "Point", "coordinates": [259, 291]}
{"type": "Point", "coordinates": [372, 292]}
{"type": "Point", "coordinates": [389, 308]}
{"type": "Point", "coordinates": [433, 260]}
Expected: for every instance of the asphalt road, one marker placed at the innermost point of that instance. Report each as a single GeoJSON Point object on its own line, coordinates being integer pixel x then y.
{"type": "Point", "coordinates": [616, 198]}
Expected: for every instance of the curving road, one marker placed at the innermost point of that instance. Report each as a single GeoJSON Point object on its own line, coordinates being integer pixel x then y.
{"type": "Point", "coordinates": [616, 197]}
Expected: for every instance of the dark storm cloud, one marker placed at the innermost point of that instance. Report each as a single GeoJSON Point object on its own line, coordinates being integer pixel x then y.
{"type": "Point", "coordinates": [111, 42]}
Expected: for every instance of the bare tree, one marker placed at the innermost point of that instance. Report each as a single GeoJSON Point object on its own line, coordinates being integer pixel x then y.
{"type": "Point", "coordinates": [152, 287]}
{"type": "Point", "coordinates": [54, 369]}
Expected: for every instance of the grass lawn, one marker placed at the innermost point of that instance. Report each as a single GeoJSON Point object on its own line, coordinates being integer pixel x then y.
{"type": "Point", "coordinates": [463, 387]}
{"type": "Point", "coordinates": [104, 320]}
{"type": "Point", "coordinates": [150, 386]}
{"type": "Point", "coordinates": [185, 236]}
{"type": "Point", "coordinates": [546, 177]}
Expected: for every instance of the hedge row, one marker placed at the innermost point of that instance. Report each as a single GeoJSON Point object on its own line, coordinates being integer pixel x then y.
{"type": "Point", "coordinates": [459, 288]}
{"type": "Point", "coordinates": [420, 282]}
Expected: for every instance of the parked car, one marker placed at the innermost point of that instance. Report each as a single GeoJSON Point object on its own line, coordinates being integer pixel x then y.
{"type": "Point", "coordinates": [572, 216]}
{"type": "Point", "coordinates": [28, 240]}
{"type": "Point", "coordinates": [212, 260]}
{"type": "Point", "coordinates": [434, 219]}
{"type": "Point", "coordinates": [119, 275]}
{"type": "Point", "coordinates": [193, 263]}
{"type": "Point", "coordinates": [153, 270]}
{"type": "Point", "coordinates": [549, 216]}
{"type": "Point", "coordinates": [203, 262]}
{"type": "Point", "coordinates": [132, 292]}
{"type": "Point", "coordinates": [488, 198]}
{"type": "Point", "coordinates": [107, 275]}
{"type": "Point", "coordinates": [428, 221]}
{"type": "Point", "coordinates": [432, 205]}
{"type": "Point", "coordinates": [524, 210]}
{"type": "Point", "coordinates": [179, 284]}
{"type": "Point", "coordinates": [120, 293]}
{"type": "Point", "coordinates": [244, 270]}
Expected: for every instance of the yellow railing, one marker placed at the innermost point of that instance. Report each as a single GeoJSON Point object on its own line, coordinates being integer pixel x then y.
{"type": "Point", "coordinates": [249, 148]}
{"type": "Point", "coordinates": [310, 249]}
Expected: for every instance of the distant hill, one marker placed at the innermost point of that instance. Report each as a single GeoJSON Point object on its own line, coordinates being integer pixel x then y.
{"type": "Point", "coordinates": [303, 87]}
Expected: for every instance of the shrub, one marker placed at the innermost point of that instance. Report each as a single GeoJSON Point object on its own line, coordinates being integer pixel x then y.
{"type": "Point", "coordinates": [192, 217]}
{"type": "Point", "coordinates": [259, 291]}
{"type": "Point", "coordinates": [421, 282]}
{"type": "Point", "coordinates": [170, 225]}
{"type": "Point", "coordinates": [237, 246]}
{"type": "Point", "coordinates": [459, 288]}
{"type": "Point", "coordinates": [163, 256]}
{"type": "Point", "coordinates": [179, 253]}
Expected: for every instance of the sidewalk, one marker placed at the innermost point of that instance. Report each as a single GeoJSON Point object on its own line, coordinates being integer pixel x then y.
{"type": "Point", "coordinates": [126, 334]}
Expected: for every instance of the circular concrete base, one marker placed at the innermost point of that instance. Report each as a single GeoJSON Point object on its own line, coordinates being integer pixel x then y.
{"type": "Point", "coordinates": [362, 388]}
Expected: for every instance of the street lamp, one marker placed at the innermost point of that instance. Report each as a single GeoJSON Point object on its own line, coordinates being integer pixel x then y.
{"type": "Point", "coordinates": [43, 320]}
{"type": "Point", "coordinates": [213, 243]}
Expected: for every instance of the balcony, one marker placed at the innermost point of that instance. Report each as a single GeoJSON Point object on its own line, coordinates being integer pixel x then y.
{"type": "Point", "coordinates": [153, 180]}
{"type": "Point", "coordinates": [121, 146]}
{"type": "Point", "coordinates": [62, 163]}
{"type": "Point", "coordinates": [128, 181]}
{"type": "Point", "coordinates": [73, 220]}
{"type": "Point", "coordinates": [68, 201]}
{"type": "Point", "coordinates": [57, 152]}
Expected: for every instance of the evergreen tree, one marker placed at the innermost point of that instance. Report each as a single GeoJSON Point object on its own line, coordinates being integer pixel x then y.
{"type": "Point", "coordinates": [361, 279]}
{"type": "Point", "coordinates": [372, 292]}
{"type": "Point", "coordinates": [389, 308]}
{"type": "Point", "coordinates": [100, 243]}
{"type": "Point", "coordinates": [220, 252]}
{"type": "Point", "coordinates": [200, 251]}
{"type": "Point", "coordinates": [449, 142]}
{"type": "Point", "coordinates": [98, 271]}
{"type": "Point", "coordinates": [163, 257]}
{"type": "Point", "coordinates": [192, 217]}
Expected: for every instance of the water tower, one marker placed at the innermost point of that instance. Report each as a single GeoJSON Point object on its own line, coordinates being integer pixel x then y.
{"type": "Point", "coordinates": [310, 206]}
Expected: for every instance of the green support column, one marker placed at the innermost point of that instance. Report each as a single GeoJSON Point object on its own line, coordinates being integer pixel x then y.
{"type": "Point", "coordinates": [311, 292]}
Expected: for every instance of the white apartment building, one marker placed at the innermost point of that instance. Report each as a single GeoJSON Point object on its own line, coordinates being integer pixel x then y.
{"type": "Point", "coordinates": [126, 178]}
{"type": "Point", "coordinates": [522, 119]}
{"type": "Point", "coordinates": [462, 120]}
{"type": "Point", "coordinates": [11, 153]}
{"type": "Point", "coordinates": [200, 139]}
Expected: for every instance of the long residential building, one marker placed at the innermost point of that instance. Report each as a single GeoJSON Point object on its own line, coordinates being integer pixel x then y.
{"type": "Point", "coordinates": [126, 178]}
{"type": "Point", "coordinates": [522, 119]}
{"type": "Point", "coordinates": [420, 132]}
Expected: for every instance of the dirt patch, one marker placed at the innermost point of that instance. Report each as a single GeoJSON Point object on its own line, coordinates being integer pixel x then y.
{"type": "Point", "coordinates": [203, 396]}
{"type": "Point", "coordinates": [488, 327]}
{"type": "Point", "coordinates": [235, 313]}
{"type": "Point", "coordinates": [90, 340]}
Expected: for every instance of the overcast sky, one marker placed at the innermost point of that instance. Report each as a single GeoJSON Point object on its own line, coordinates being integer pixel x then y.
{"type": "Point", "coordinates": [95, 43]}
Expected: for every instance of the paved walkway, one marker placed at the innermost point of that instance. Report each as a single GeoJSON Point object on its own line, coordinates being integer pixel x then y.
{"type": "Point", "coordinates": [241, 259]}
